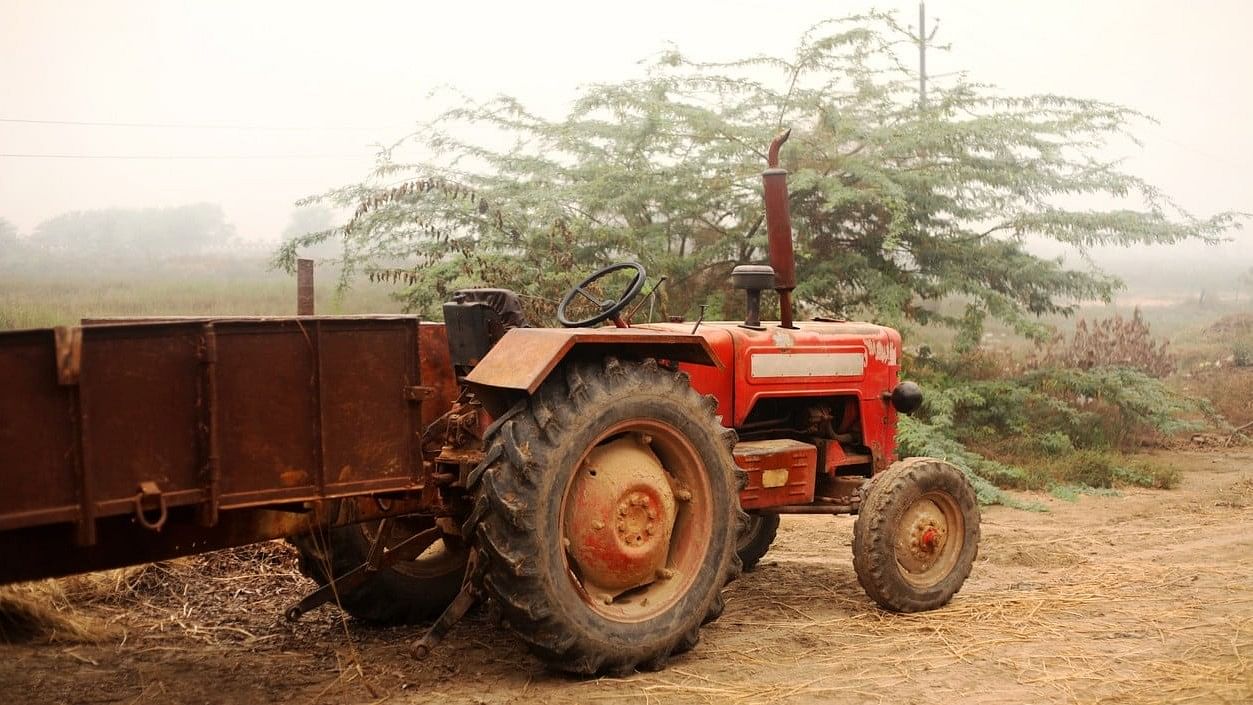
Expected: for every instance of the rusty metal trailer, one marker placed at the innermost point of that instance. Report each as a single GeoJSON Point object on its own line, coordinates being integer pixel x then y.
{"type": "Point", "coordinates": [129, 442]}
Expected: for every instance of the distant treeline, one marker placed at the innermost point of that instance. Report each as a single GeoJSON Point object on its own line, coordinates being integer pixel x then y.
{"type": "Point", "coordinates": [124, 233]}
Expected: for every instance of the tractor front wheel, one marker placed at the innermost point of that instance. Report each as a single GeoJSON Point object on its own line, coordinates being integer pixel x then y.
{"type": "Point", "coordinates": [606, 523]}
{"type": "Point", "coordinates": [916, 535]}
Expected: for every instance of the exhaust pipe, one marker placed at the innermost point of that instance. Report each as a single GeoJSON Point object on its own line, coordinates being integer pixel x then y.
{"type": "Point", "coordinates": [779, 229]}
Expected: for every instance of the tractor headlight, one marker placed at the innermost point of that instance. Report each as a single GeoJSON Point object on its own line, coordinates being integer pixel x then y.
{"type": "Point", "coordinates": [906, 397]}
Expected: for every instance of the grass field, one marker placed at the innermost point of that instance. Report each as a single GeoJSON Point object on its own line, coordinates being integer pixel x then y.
{"type": "Point", "coordinates": [49, 294]}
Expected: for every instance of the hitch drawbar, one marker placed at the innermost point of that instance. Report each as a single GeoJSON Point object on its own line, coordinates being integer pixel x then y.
{"type": "Point", "coordinates": [381, 557]}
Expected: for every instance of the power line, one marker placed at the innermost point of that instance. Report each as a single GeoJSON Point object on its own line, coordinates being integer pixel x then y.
{"type": "Point", "coordinates": [181, 156]}
{"type": "Point", "coordinates": [204, 126]}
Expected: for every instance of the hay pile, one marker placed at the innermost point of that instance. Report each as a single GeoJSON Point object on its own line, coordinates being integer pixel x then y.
{"type": "Point", "coordinates": [197, 597]}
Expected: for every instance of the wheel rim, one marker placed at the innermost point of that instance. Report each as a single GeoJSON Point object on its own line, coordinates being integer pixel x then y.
{"type": "Point", "coordinates": [439, 559]}
{"type": "Point", "coordinates": [636, 520]}
{"type": "Point", "coordinates": [929, 539]}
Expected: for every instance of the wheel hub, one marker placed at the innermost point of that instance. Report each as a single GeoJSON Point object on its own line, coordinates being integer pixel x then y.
{"type": "Point", "coordinates": [923, 537]}
{"type": "Point", "coordinates": [638, 519]}
{"type": "Point", "coordinates": [621, 517]}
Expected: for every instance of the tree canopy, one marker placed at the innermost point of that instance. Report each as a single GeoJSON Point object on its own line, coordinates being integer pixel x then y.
{"type": "Point", "coordinates": [8, 233]}
{"type": "Point", "coordinates": [186, 229]}
{"type": "Point", "coordinates": [896, 207]}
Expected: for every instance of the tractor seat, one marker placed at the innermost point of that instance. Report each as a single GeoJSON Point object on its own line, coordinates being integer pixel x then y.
{"type": "Point", "coordinates": [475, 319]}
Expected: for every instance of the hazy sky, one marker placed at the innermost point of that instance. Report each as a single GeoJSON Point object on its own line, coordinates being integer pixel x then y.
{"type": "Point", "coordinates": [333, 78]}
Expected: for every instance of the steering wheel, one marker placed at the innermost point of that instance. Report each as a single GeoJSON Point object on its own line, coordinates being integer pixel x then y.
{"type": "Point", "coordinates": [609, 308]}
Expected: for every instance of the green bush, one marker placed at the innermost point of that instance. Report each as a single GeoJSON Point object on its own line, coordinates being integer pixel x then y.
{"type": "Point", "coordinates": [1060, 430]}
{"type": "Point", "coordinates": [1148, 474]}
{"type": "Point", "coordinates": [918, 438]}
{"type": "Point", "coordinates": [1088, 468]}
{"type": "Point", "coordinates": [1055, 443]}
{"type": "Point", "coordinates": [1052, 410]}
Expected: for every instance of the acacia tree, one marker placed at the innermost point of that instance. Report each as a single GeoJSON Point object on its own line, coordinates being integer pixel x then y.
{"type": "Point", "coordinates": [895, 207]}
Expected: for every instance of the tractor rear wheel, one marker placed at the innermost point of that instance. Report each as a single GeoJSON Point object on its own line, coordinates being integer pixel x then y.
{"type": "Point", "coordinates": [916, 536]}
{"type": "Point", "coordinates": [407, 592]}
{"type": "Point", "coordinates": [606, 518]}
{"type": "Point", "coordinates": [756, 538]}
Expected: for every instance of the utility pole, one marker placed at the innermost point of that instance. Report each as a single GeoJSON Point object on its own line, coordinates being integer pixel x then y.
{"type": "Point", "coordinates": [923, 39]}
{"type": "Point", "coordinates": [922, 55]}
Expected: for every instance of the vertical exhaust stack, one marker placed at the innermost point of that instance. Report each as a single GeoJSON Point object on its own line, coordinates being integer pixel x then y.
{"type": "Point", "coordinates": [779, 229]}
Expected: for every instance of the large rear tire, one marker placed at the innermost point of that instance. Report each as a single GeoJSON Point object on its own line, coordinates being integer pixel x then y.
{"type": "Point", "coordinates": [754, 541]}
{"type": "Point", "coordinates": [410, 592]}
{"type": "Point", "coordinates": [916, 536]}
{"type": "Point", "coordinates": [606, 522]}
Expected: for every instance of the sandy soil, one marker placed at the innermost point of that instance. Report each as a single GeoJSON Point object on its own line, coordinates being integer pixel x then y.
{"type": "Point", "coordinates": [1142, 597]}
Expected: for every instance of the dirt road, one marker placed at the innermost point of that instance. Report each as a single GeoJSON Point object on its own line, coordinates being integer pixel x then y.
{"type": "Point", "coordinates": [1142, 597]}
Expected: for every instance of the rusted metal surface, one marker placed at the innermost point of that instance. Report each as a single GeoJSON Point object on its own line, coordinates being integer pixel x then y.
{"type": "Point", "coordinates": [208, 415]}
{"type": "Point", "coordinates": [304, 287]}
{"type": "Point", "coordinates": [621, 516]}
{"type": "Point", "coordinates": [780, 472]}
{"type": "Point", "coordinates": [816, 508]}
{"type": "Point", "coordinates": [524, 356]}
{"type": "Point", "coordinates": [636, 517]}
{"type": "Point", "coordinates": [435, 369]}
{"type": "Point", "coordinates": [381, 556]}
{"type": "Point", "coordinates": [779, 229]}
{"type": "Point", "coordinates": [930, 534]}
{"type": "Point", "coordinates": [69, 353]}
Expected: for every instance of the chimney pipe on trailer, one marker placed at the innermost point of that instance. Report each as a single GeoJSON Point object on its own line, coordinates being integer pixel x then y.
{"type": "Point", "coordinates": [779, 228]}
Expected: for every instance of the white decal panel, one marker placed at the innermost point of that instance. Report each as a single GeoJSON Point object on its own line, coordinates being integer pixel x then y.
{"type": "Point", "coordinates": [847, 364]}
{"type": "Point", "coordinates": [881, 350]}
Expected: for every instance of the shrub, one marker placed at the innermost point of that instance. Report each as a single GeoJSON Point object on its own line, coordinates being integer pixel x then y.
{"type": "Point", "coordinates": [1089, 468]}
{"type": "Point", "coordinates": [915, 437]}
{"type": "Point", "coordinates": [1045, 428]}
{"type": "Point", "coordinates": [1111, 342]}
{"type": "Point", "coordinates": [1149, 474]}
{"type": "Point", "coordinates": [1051, 410]}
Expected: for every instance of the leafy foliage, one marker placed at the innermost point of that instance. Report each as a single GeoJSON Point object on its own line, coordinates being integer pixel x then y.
{"type": "Point", "coordinates": [917, 437]}
{"type": "Point", "coordinates": [1055, 409]}
{"type": "Point", "coordinates": [1005, 417]}
{"type": "Point", "coordinates": [895, 207]}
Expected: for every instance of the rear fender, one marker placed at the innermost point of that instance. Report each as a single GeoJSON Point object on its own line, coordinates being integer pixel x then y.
{"type": "Point", "coordinates": [517, 365]}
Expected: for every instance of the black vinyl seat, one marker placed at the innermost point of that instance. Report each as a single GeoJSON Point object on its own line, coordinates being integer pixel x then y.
{"type": "Point", "coordinates": [475, 320]}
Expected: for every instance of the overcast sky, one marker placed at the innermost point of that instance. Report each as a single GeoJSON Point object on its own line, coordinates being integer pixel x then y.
{"type": "Point", "coordinates": [333, 78]}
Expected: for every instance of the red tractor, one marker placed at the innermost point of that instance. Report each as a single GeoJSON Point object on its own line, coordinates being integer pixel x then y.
{"type": "Point", "coordinates": [603, 484]}
{"type": "Point", "coordinates": [599, 484]}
